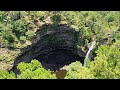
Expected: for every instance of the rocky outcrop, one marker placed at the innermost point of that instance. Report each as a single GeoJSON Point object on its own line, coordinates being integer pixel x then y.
{"type": "Point", "coordinates": [54, 44]}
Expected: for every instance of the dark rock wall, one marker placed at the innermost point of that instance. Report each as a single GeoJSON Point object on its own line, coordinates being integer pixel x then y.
{"type": "Point", "coordinates": [49, 39]}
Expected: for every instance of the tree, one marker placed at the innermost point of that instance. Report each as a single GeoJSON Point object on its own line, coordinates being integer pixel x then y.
{"type": "Point", "coordinates": [34, 70]}
{"type": "Point", "coordinates": [30, 34]}
{"type": "Point", "coordinates": [6, 75]}
{"type": "Point", "coordinates": [77, 71]}
{"type": "Point", "coordinates": [106, 63]}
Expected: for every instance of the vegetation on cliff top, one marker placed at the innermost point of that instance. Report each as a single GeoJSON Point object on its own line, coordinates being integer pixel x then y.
{"type": "Point", "coordinates": [18, 28]}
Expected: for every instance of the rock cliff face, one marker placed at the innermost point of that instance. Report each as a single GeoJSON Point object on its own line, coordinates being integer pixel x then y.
{"type": "Point", "coordinates": [54, 46]}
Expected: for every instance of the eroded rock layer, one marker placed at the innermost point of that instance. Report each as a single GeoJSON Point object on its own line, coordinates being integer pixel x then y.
{"type": "Point", "coordinates": [54, 46]}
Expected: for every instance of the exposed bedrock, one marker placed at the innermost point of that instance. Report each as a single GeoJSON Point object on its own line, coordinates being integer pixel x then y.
{"type": "Point", "coordinates": [54, 46]}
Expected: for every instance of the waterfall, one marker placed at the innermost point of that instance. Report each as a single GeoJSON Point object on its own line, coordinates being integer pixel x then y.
{"type": "Point", "coordinates": [88, 53]}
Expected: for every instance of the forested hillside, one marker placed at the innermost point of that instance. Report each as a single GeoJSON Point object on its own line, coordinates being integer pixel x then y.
{"type": "Point", "coordinates": [18, 30]}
